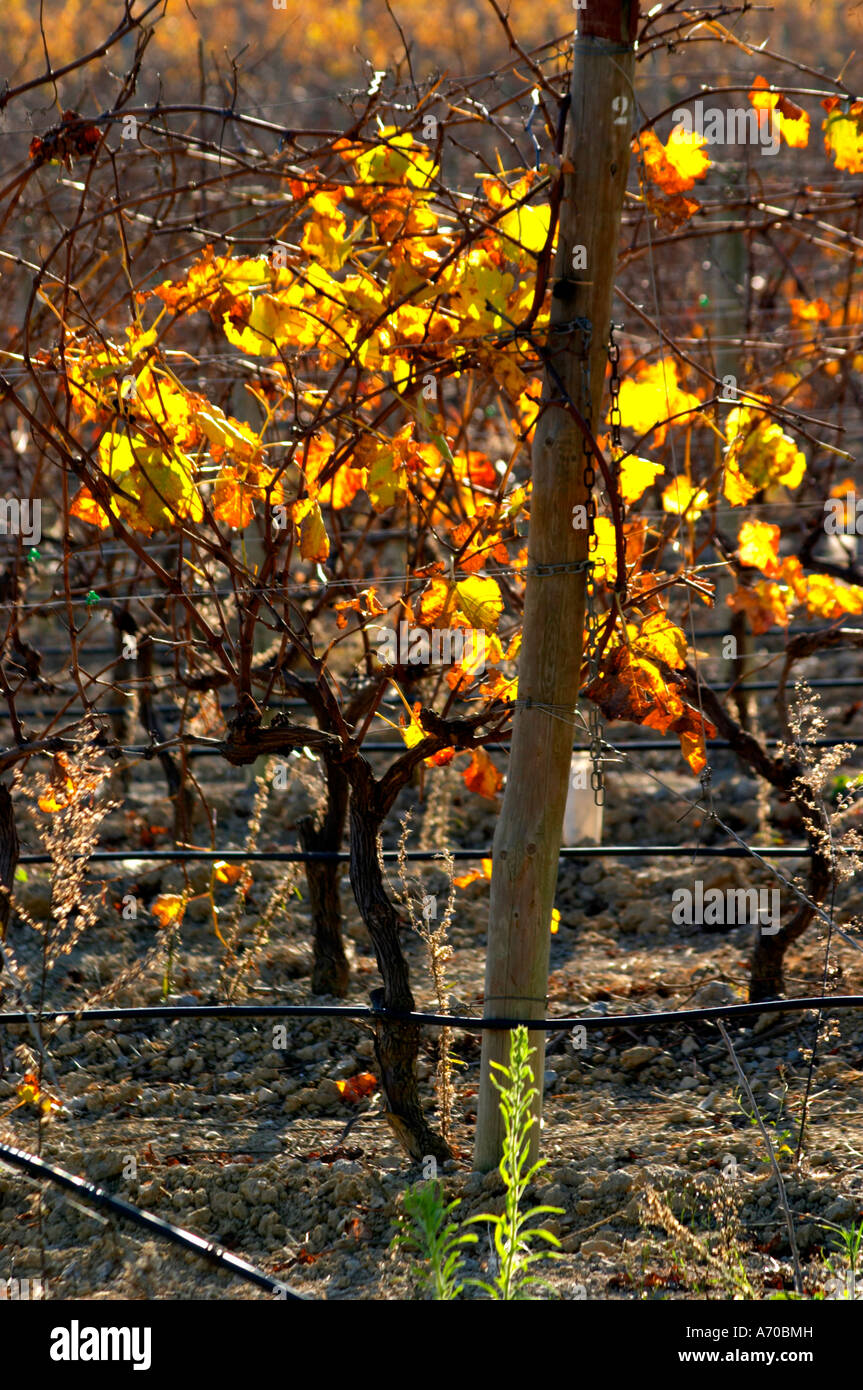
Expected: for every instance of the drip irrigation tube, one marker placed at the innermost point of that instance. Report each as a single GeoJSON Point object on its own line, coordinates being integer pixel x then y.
{"type": "Point", "coordinates": [465, 1021]}
{"type": "Point", "coordinates": [148, 751]}
{"type": "Point", "coordinates": [88, 1192]}
{"type": "Point", "coordinates": [423, 856]}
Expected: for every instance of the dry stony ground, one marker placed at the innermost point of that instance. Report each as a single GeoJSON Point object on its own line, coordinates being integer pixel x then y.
{"type": "Point", "coordinates": [662, 1177]}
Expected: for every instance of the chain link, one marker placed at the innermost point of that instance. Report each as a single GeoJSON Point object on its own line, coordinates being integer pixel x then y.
{"type": "Point", "coordinates": [597, 781]}
{"type": "Point", "coordinates": [589, 476]}
{"type": "Point", "coordinates": [591, 617]}
{"type": "Point", "coordinates": [614, 417]}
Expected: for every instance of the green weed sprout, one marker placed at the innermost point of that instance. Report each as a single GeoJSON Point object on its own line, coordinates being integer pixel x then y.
{"type": "Point", "coordinates": [513, 1230]}
{"type": "Point", "coordinates": [426, 1230]}
{"type": "Point", "coordinates": [847, 1242]}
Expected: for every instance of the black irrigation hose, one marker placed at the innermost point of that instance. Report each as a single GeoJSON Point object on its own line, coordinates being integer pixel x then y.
{"type": "Point", "coordinates": [88, 1192]}
{"type": "Point", "coordinates": [421, 856]}
{"type": "Point", "coordinates": [464, 1021]}
{"type": "Point", "coordinates": [145, 750]}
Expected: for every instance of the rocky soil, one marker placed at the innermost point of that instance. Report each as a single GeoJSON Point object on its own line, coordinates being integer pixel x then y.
{"type": "Point", "coordinates": [661, 1173]}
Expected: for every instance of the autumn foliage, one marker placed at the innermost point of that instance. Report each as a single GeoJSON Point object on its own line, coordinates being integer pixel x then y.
{"type": "Point", "coordinates": [277, 382]}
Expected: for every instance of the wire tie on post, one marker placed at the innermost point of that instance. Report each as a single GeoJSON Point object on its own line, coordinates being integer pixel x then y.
{"type": "Point", "coordinates": [570, 567]}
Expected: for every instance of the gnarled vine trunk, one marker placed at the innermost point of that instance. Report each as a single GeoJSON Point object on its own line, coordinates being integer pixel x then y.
{"type": "Point", "coordinates": [396, 1042]}
{"type": "Point", "coordinates": [767, 977]}
{"type": "Point", "coordinates": [9, 849]}
{"type": "Point", "coordinates": [330, 969]}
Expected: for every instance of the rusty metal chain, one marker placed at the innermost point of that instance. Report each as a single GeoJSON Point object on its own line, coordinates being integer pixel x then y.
{"type": "Point", "coordinates": [597, 781]}
{"type": "Point", "coordinates": [591, 616]}
{"type": "Point", "coordinates": [615, 419]}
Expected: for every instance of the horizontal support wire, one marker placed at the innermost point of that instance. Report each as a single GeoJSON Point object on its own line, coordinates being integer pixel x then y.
{"type": "Point", "coordinates": [94, 1196]}
{"type": "Point", "coordinates": [745, 686]}
{"type": "Point", "coordinates": [422, 856]}
{"type": "Point", "coordinates": [665, 1018]}
{"type": "Point", "coordinates": [148, 751]}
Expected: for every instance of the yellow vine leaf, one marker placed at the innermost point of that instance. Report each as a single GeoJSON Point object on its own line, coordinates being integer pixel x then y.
{"type": "Point", "coordinates": [831, 598]}
{"type": "Point", "coordinates": [684, 151]}
{"type": "Point", "coordinates": [236, 491]}
{"type": "Point", "coordinates": [473, 874]}
{"type": "Point", "coordinates": [267, 325]}
{"type": "Point", "coordinates": [604, 555]}
{"type": "Point", "coordinates": [667, 172]}
{"type": "Point", "coordinates": [843, 134]}
{"type": "Point", "coordinates": [527, 227]}
{"type": "Point", "coordinates": [793, 120]}
{"type": "Point", "coordinates": [758, 454]}
{"type": "Point", "coordinates": [314, 541]}
{"type": "Point", "coordinates": [636, 476]}
{"type": "Point", "coordinates": [482, 776]}
{"type": "Point", "coordinates": [764, 603]}
{"type": "Point", "coordinates": [412, 732]}
{"type": "Point", "coordinates": [225, 872]}
{"type": "Point", "coordinates": [168, 909]}
{"type": "Point", "coordinates": [481, 602]}
{"type": "Point", "coordinates": [399, 160]}
{"type": "Point", "coordinates": [325, 237]}
{"type": "Point", "coordinates": [158, 488]}
{"type": "Point", "coordinates": [57, 799]}
{"type": "Point", "coordinates": [659, 637]}
{"type": "Point", "coordinates": [479, 293]}
{"type": "Point", "coordinates": [29, 1092]}
{"type": "Point", "coordinates": [65, 787]}
{"type": "Point", "coordinates": [758, 545]}
{"type": "Point", "coordinates": [682, 498]}
{"type": "Point", "coordinates": [648, 401]}
{"type": "Point", "coordinates": [85, 508]}
{"type": "Point", "coordinates": [228, 436]}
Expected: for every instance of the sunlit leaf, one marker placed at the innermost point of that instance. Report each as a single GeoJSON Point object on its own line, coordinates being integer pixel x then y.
{"type": "Point", "coordinates": [636, 476]}
{"type": "Point", "coordinates": [631, 687]}
{"type": "Point", "coordinates": [843, 133]}
{"type": "Point", "coordinates": [226, 872]}
{"type": "Point", "coordinates": [793, 120]}
{"type": "Point", "coordinates": [660, 637]}
{"type": "Point", "coordinates": [764, 603]}
{"type": "Point", "coordinates": [667, 172]}
{"type": "Point", "coordinates": [682, 498]}
{"type": "Point", "coordinates": [758, 546]}
{"type": "Point", "coordinates": [356, 1087]}
{"type": "Point", "coordinates": [758, 453]}
{"type": "Point", "coordinates": [483, 872]}
{"type": "Point", "coordinates": [482, 776]}
{"type": "Point", "coordinates": [168, 909]}
{"type": "Point", "coordinates": [527, 227]}
{"type": "Point", "coordinates": [314, 541]}
{"type": "Point", "coordinates": [481, 602]}
{"type": "Point", "coordinates": [650, 399]}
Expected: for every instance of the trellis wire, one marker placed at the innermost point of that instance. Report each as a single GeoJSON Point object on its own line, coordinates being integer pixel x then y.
{"type": "Point", "coordinates": [194, 750]}
{"type": "Point", "coordinates": [747, 686]}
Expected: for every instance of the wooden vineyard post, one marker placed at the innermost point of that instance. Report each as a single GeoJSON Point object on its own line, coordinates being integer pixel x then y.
{"type": "Point", "coordinates": [528, 834]}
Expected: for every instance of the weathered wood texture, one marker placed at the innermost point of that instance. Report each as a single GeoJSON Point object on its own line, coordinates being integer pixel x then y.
{"type": "Point", "coordinates": [527, 839]}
